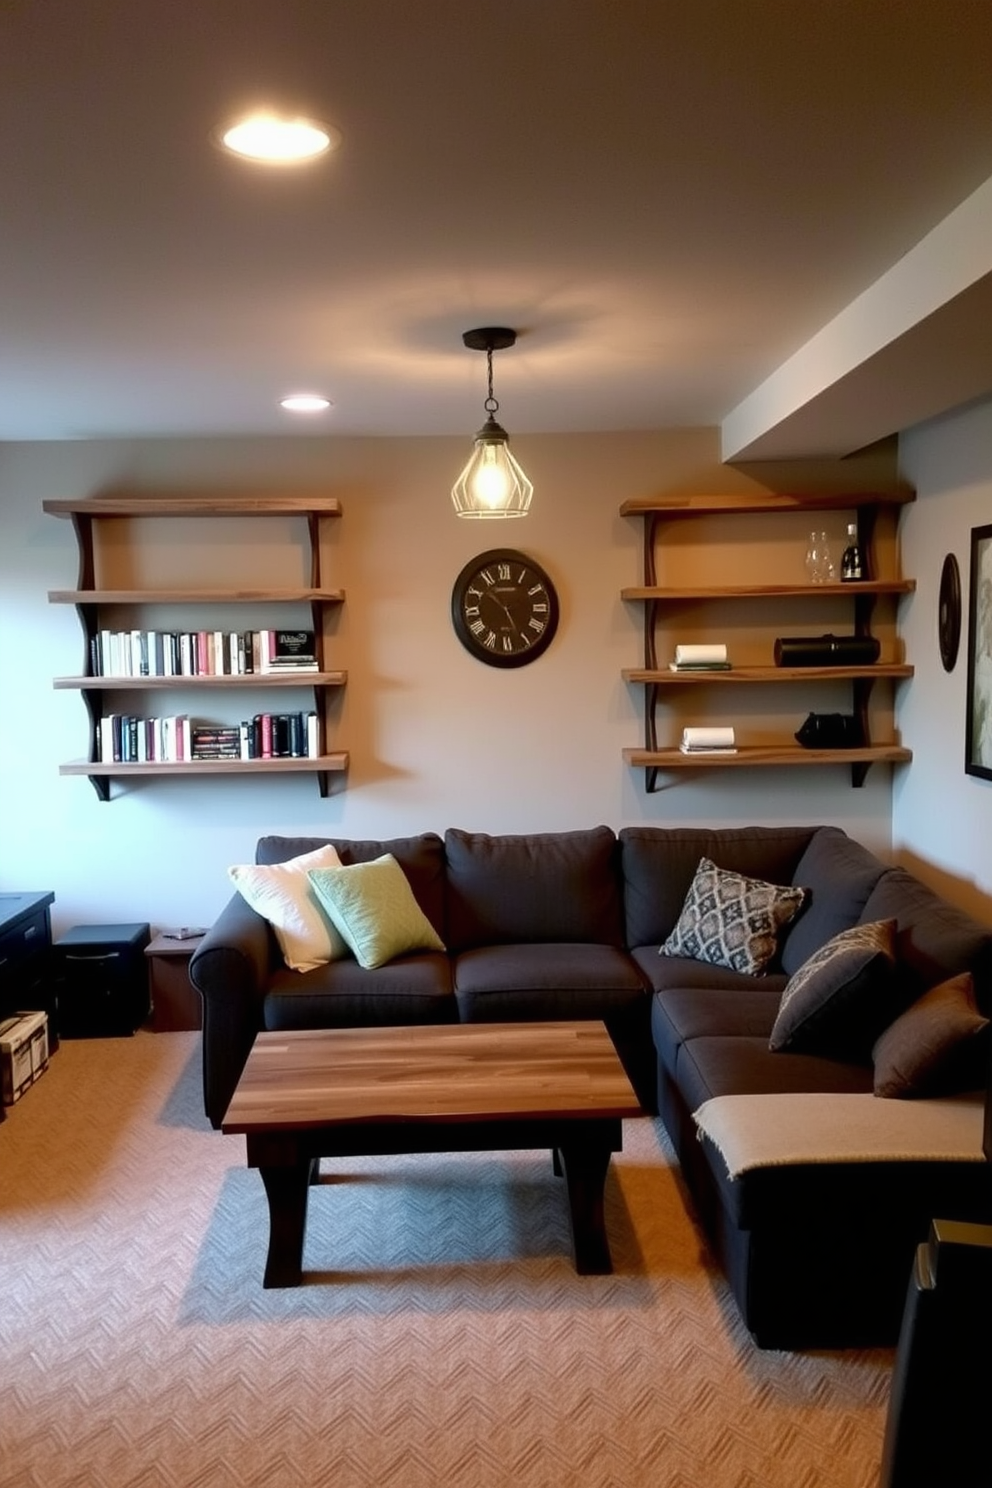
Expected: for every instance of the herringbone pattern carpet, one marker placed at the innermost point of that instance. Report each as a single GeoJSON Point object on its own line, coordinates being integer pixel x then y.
{"type": "Point", "coordinates": [443, 1339]}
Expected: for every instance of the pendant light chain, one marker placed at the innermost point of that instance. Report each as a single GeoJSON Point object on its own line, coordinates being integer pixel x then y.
{"type": "Point", "coordinates": [491, 405]}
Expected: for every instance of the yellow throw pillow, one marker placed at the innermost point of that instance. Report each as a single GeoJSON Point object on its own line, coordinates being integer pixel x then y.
{"type": "Point", "coordinates": [374, 909]}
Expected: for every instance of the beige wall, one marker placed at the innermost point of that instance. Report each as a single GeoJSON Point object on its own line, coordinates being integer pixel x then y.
{"type": "Point", "coordinates": [942, 818]}
{"type": "Point", "coordinates": [436, 738]}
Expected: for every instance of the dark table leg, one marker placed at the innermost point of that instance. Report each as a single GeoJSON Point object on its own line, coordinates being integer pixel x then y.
{"type": "Point", "coordinates": [585, 1168]}
{"type": "Point", "coordinates": [287, 1189]}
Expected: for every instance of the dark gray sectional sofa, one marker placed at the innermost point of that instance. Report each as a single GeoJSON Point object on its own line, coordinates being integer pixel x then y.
{"type": "Point", "coordinates": [569, 925]}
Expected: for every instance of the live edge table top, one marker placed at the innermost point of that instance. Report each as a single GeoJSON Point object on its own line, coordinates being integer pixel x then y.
{"type": "Point", "coordinates": [475, 1072]}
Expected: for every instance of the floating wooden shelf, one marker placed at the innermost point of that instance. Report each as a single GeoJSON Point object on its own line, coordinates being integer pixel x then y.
{"type": "Point", "coordinates": [101, 774]}
{"type": "Point", "coordinates": [752, 674]}
{"type": "Point", "coordinates": [762, 501]}
{"type": "Point", "coordinates": [861, 595]}
{"type": "Point", "coordinates": [855, 591]}
{"type": "Point", "coordinates": [89, 600]}
{"type": "Point", "coordinates": [775, 755]}
{"type": "Point", "coordinates": [208, 682]}
{"type": "Point", "coordinates": [194, 596]}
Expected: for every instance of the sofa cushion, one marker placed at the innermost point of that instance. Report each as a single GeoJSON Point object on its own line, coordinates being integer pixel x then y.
{"type": "Point", "coordinates": [684, 1013]}
{"type": "Point", "coordinates": [839, 874]}
{"type": "Point", "coordinates": [663, 972]}
{"type": "Point", "coordinates": [421, 858]}
{"type": "Point", "coordinates": [719, 1065]}
{"type": "Point", "coordinates": [342, 994]}
{"type": "Point", "coordinates": [500, 983]}
{"type": "Point", "coordinates": [373, 907]}
{"type": "Point", "coordinates": [934, 939]}
{"type": "Point", "coordinates": [659, 864]}
{"type": "Point", "coordinates": [552, 886]}
{"type": "Point", "coordinates": [936, 1046]}
{"type": "Point", "coordinates": [839, 1001]}
{"type": "Point", "coordinates": [729, 919]}
{"type": "Point", "coordinates": [283, 895]}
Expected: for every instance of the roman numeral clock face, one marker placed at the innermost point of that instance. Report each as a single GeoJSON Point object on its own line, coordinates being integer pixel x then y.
{"type": "Point", "coordinates": [504, 608]}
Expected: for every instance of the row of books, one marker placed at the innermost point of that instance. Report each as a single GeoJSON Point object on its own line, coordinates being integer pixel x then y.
{"type": "Point", "coordinates": [201, 653]}
{"type": "Point", "coordinates": [127, 739]}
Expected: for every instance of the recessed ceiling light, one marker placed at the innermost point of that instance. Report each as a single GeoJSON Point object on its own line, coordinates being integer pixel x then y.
{"type": "Point", "coordinates": [276, 141]}
{"type": "Point", "coordinates": [305, 403]}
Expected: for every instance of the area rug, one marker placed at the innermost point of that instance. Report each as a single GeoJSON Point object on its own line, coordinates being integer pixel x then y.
{"type": "Point", "coordinates": [442, 1338]}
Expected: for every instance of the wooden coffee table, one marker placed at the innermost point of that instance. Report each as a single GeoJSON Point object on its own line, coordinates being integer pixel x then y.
{"type": "Point", "coordinates": [477, 1087]}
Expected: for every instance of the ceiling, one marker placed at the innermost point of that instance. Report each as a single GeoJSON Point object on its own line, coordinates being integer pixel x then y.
{"type": "Point", "coordinates": [667, 200]}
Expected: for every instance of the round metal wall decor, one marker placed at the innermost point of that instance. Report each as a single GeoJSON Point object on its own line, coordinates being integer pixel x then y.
{"type": "Point", "coordinates": [949, 612]}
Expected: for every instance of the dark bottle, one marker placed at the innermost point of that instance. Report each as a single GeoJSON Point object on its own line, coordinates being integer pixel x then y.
{"type": "Point", "coordinates": [851, 565]}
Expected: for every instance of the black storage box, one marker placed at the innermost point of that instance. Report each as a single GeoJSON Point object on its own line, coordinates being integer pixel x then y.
{"type": "Point", "coordinates": [102, 980]}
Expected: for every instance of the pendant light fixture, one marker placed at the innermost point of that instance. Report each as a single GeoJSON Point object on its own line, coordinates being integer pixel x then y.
{"type": "Point", "coordinates": [492, 483]}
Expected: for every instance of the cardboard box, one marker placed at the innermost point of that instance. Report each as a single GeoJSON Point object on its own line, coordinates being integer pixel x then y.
{"type": "Point", "coordinates": [23, 1053]}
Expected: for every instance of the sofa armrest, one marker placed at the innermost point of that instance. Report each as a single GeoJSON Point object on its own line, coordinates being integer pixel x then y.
{"type": "Point", "coordinates": [230, 969]}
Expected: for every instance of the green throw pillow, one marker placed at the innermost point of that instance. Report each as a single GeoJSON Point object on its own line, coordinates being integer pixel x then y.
{"type": "Point", "coordinates": [373, 907]}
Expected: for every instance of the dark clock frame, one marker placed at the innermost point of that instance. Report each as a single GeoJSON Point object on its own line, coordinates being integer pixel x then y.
{"type": "Point", "coordinates": [518, 605]}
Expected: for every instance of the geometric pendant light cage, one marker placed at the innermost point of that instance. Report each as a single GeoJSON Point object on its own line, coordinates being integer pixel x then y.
{"type": "Point", "coordinates": [492, 483]}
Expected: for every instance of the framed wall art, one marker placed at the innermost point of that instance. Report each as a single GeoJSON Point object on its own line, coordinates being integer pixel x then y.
{"type": "Point", "coordinates": [978, 724]}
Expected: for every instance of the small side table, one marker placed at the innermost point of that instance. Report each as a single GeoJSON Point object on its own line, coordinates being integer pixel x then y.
{"type": "Point", "coordinates": [175, 1001]}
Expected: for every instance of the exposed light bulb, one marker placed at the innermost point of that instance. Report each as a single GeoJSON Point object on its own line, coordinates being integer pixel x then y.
{"type": "Point", "coordinates": [490, 482]}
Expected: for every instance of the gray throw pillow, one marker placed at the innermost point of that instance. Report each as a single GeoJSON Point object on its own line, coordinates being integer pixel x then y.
{"type": "Point", "coordinates": [733, 921]}
{"type": "Point", "coordinates": [839, 1000]}
{"type": "Point", "coordinates": [935, 1044]}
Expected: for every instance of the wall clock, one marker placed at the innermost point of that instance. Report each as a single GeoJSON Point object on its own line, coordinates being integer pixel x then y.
{"type": "Point", "coordinates": [504, 608]}
{"type": "Point", "coordinates": [949, 612]}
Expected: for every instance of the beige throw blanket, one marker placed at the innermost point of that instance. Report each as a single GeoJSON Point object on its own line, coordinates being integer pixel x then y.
{"type": "Point", "coordinates": [757, 1131]}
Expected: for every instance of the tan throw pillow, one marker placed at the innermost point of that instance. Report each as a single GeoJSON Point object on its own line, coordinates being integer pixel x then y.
{"type": "Point", "coordinates": [840, 999]}
{"type": "Point", "coordinates": [281, 894]}
{"type": "Point", "coordinates": [934, 1045]}
{"type": "Point", "coordinates": [733, 921]}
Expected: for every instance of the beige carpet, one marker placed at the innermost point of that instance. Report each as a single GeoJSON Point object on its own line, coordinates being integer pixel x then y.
{"type": "Point", "coordinates": [442, 1340]}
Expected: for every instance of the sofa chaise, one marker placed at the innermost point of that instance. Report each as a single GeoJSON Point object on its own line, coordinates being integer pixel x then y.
{"type": "Point", "coordinates": [813, 1190]}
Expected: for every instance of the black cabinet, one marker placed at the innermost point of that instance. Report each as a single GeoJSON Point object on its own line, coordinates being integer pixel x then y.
{"type": "Point", "coordinates": [102, 980]}
{"type": "Point", "coordinates": [25, 955]}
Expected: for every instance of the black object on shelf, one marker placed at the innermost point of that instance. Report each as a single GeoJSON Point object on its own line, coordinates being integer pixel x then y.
{"type": "Point", "coordinates": [830, 731]}
{"type": "Point", "coordinates": [102, 980]}
{"type": "Point", "coordinates": [827, 650]}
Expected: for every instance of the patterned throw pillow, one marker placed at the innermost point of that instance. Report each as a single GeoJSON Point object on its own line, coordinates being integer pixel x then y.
{"type": "Point", "coordinates": [840, 999]}
{"type": "Point", "coordinates": [733, 921]}
{"type": "Point", "coordinates": [935, 1045]}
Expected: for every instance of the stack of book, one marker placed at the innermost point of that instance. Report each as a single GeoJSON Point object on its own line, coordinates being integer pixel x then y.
{"type": "Point", "coordinates": [708, 741]}
{"type": "Point", "coordinates": [700, 659]}
{"type": "Point", "coordinates": [215, 741]}
{"type": "Point", "coordinates": [288, 651]}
